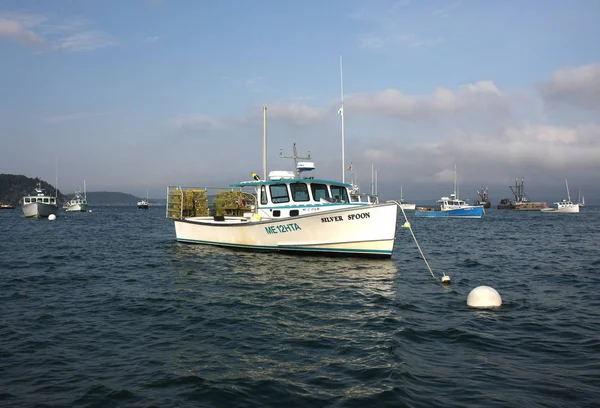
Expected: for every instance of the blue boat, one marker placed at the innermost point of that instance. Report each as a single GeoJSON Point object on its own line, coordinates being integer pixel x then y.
{"type": "Point", "coordinates": [451, 207]}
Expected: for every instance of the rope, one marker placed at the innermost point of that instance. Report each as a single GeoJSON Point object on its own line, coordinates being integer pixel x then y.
{"type": "Point", "coordinates": [415, 239]}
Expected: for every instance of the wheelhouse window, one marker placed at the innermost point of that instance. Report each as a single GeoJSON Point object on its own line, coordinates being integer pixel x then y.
{"type": "Point", "coordinates": [319, 191]}
{"type": "Point", "coordinates": [26, 199]}
{"type": "Point", "coordinates": [46, 200]}
{"type": "Point", "coordinates": [263, 195]}
{"type": "Point", "coordinates": [299, 192]}
{"type": "Point", "coordinates": [279, 193]}
{"type": "Point", "coordinates": [339, 193]}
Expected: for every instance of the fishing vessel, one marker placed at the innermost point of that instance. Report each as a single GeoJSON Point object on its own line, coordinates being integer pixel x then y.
{"type": "Point", "coordinates": [564, 206]}
{"type": "Point", "coordinates": [284, 212]}
{"type": "Point", "coordinates": [7, 207]}
{"type": "Point", "coordinates": [451, 207]}
{"type": "Point", "coordinates": [521, 201]}
{"type": "Point", "coordinates": [483, 198]}
{"type": "Point", "coordinates": [39, 204]}
{"type": "Point", "coordinates": [404, 204]}
{"type": "Point", "coordinates": [143, 203]}
{"type": "Point", "coordinates": [78, 202]}
{"type": "Point", "coordinates": [580, 199]}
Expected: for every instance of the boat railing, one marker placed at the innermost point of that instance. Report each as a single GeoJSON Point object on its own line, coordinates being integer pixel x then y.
{"type": "Point", "coordinates": [184, 202]}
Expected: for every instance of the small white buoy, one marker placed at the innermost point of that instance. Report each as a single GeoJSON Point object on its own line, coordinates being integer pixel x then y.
{"type": "Point", "coordinates": [484, 296]}
{"type": "Point", "coordinates": [445, 280]}
{"type": "Point", "coordinates": [89, 210]}
{"type": "Point", "coordinates": [51, 217]}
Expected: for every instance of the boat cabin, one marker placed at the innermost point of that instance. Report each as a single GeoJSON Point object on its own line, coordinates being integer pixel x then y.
{"type": "Point", "coordinates": [451, 203]}
{"type": "Point", "coordinates": [284, 195]}
{"type": "Point", "coordinates": [40, 197]}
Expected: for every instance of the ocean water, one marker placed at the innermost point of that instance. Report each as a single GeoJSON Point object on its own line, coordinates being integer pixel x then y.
{"type": "Point", "coordinates": [105, 309]}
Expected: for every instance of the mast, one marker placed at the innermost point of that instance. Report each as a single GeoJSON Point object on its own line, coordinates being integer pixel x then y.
{"type": "Point", "coordinates": [84, 191]}
{"type": "Point", "coordinates": [455, 195]}
{"type": "Point", "coordinates": [568, 194]}
{"type": "Point", "coordinates": [341, 113]}
{"type": "Point", "coordinates": [295, 157]}
{"type": "Point", "coordinates": [372, 180]}
{"type": "Point", "coordinates": [264, 142]}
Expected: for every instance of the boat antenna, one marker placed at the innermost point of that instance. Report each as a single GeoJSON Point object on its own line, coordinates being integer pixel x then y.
{"type": "Point", "coordinates": [264, 142]}
{"type": "Point", "coordinates": [295, 157]}
{"type": "Point", "coordinates": [341, 113]}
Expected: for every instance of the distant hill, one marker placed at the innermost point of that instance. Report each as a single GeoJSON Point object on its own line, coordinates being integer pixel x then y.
{"type": "Point", "coordinates": [14, 186]}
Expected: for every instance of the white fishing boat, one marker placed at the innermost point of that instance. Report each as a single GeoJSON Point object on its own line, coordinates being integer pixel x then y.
{"type": "Point", "coordinates": [143, 203]}
{"type": "Point", "coordinates": [580, 199]}
{"type": "Point", "coordinates": [404, 204]}
{"type": "Point", "coordinates": [78, 202]}
{"type": "Point", "coordinates": [283, 212]}
{"type": "Point", "coordinates": [451, 207]}
{"type": "Point", "coordinates": [564, 206]}
{"type": "Point", "coordinates": [39, 204]}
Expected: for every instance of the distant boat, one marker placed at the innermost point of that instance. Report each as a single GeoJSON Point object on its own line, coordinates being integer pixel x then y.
{"type": "Point", "coordinates": [143, 204]}
{"type": "Point", "coordinates": [78, 202]}
{"type": "Point", "coordinates": [7, 207]}
{"type": "Point", "coordinates": [39, 204]}
{"type": "Point", "coordinates": [451, 207]}
{"type": "Point", "coordinates": [403, 204]}
{"type": "Point", "coordinates": [522, 202]}
{"type": "Point", "coordinates": [564, 206]}
{"type": "Point", "coordinates": [580, 199]}
{"type": "Point", "coordinates": [483, 198]}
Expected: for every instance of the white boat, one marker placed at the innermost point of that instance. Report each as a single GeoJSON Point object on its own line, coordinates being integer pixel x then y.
{"type": "Point", "coordinates": [39, 204]}
{"type": "Point", "coordinates": [404, 204]}
{"type": "Point", "coordinates": [286, 213]}
{"type": "Point", "coordinates": [143, 204]}
{"type": "Point", "coordinates": [580, 199]}
{"type": "Point", "coordinates": [78, 202]}
{"type": "Point", "coordinates": [564, 206]}
{"type": "Point", "coordinates": [452, 207]}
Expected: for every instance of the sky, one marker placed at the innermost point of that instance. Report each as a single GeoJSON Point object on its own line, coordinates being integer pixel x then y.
{"type": "Point", "coordinates": [133, 96]}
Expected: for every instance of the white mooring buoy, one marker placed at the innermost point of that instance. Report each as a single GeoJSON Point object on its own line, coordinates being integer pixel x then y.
{"type": "Point", "coordinates": [51, 217]}
{"type": "Point", "coordinates": [483, 297]}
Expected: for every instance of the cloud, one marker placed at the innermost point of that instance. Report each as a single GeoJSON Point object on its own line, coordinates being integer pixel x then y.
{"type": "Point", "coordinates": [38, 31]}
{"type": "Point", "coordinates": [578, 86]}
{"type": "Point", "coordinates": [15, 31]}
{"type": "Point", "coordinates": [480, 97]}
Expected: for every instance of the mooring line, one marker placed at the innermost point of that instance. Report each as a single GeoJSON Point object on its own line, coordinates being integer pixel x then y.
{"type": "Point", "coordinates": [445, 278]}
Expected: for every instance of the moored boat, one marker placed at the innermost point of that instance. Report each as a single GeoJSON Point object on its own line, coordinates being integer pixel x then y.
{"type": "Point", "coordinates": [483, 198]}
{"type": "Point", "coordinates": [451, 207]}
{"type": "Point", "coordinates": [7, 207]}
{"type": "Point", "coordinates": [564, 206]}
{"type": "Point", "coordinates": [143, 203]}
{"type": "Point", "coordinates": [522, 202]}
{"type": "Point", "coordinates": [284, 212]}
{"type": "Point", "coordinates": [39, 204]}
{"type": "Point", "coordinates": [78, 202]}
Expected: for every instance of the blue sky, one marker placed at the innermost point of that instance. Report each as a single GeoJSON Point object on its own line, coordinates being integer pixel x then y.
{"type": "Point", "coordinates": [137, 95]}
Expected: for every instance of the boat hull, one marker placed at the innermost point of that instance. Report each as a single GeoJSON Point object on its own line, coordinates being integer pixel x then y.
{"type": "Point", "coordinates": [406, 206]}
{"type": "Point", "coordinates": [39, 210]}
{"type": "Point", "coordinates": [363, 231]}
{"type": "Point", "coordinates": [471, 212]}
{"type": "Point", "coordinates": [76, 207]}
{"type": "Point", "coordinates": [564, 210]}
